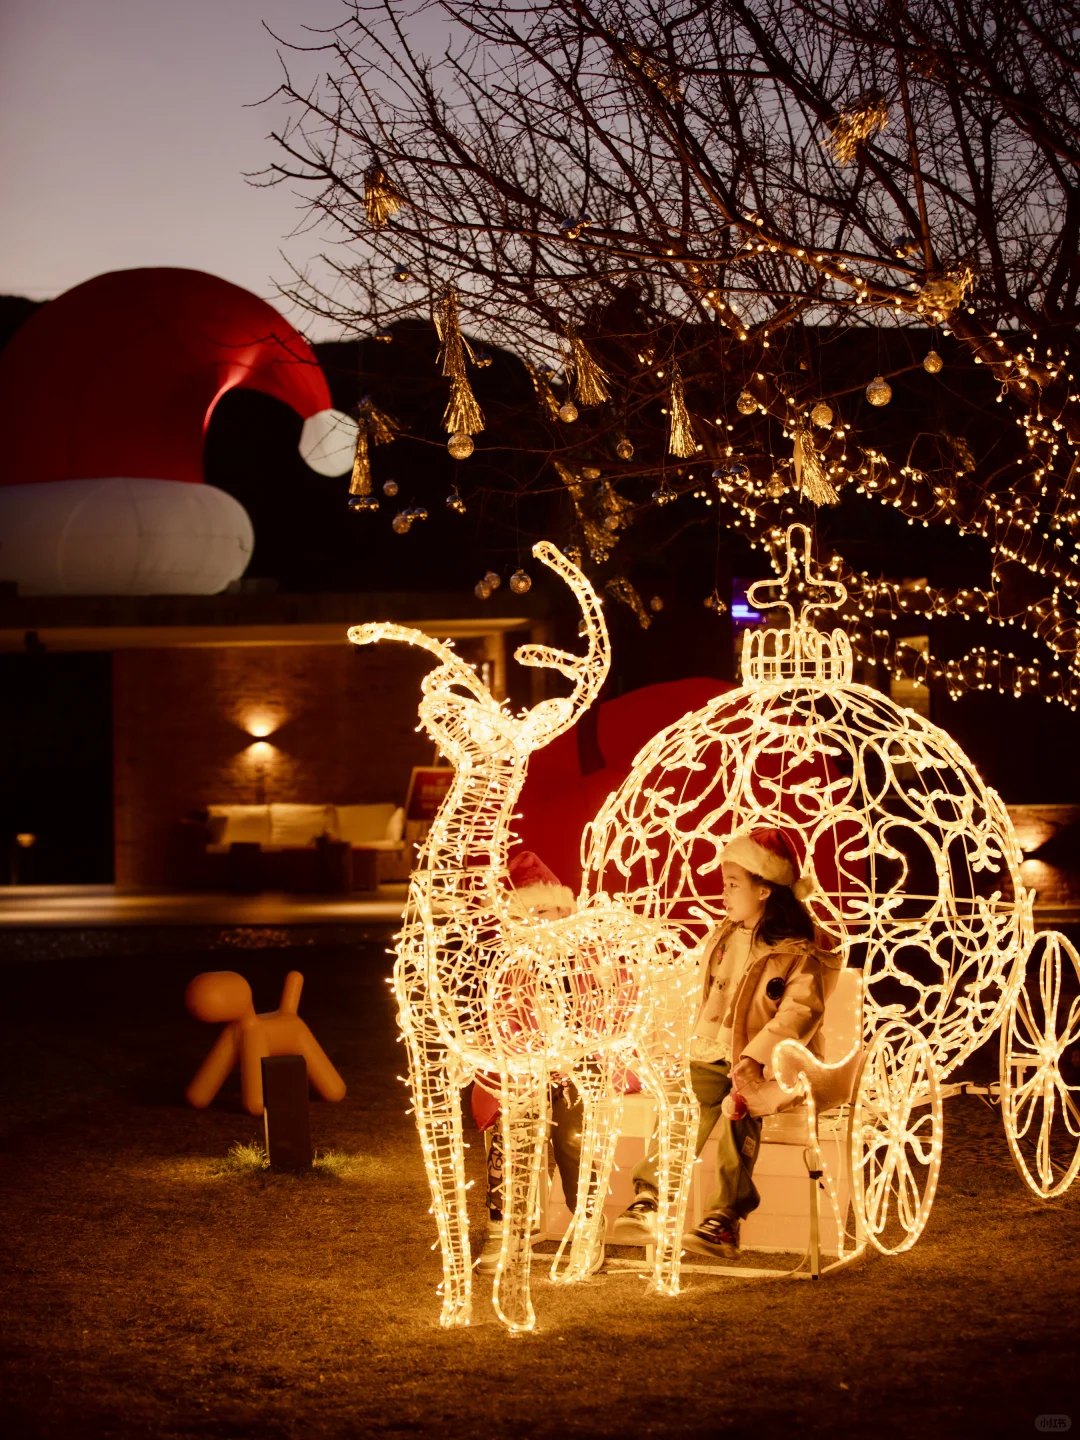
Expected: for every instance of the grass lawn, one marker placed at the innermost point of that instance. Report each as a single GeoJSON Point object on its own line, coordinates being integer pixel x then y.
{"type": "Point", "coordinates": [150, 1291]}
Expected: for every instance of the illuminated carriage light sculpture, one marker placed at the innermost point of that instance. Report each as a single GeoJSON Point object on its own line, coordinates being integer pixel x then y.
{"type": "Point", "coordinates": [918, 875]}
{"type": "Point", "coordinates": [1040, 1067]}
{"type": "Point", "coordinates": [479, 990]}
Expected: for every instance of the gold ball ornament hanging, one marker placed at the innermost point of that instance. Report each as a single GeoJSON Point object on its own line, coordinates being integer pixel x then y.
{"type": "Point", "coordinates": [822, 414]}
{"type": "Point", "coordinates": [492, 580]}
{"type": "Point", "coordinates": [656, 603]}
{"type": "Point", "coordinates": [624, 450]}
{"type": "Point", "coordinates": [568, 412]}
{"type": "Point", "coordinates": [402, 274]}
{"type": "Point", "coordinates": [363, 503]}
{"type": "Point", "coordinates": [611, 522]}
{"type": "Point", "coordinates": [746, 404]}
{"type": "Point", "coordinates": [401, 523]}
{"type": "Point", "coordinates": [460, 445]}
{"type": "Point", "coordinates": [775, 487]}
{"type": "Point", "coordinates": [482, 590]}
{"type": "Point", "coordinates": [482, 359]}
{"type": "Point", "coordinates": [879, 391]}
{"type": "Point", "coordinates": [384, 336]}
{"type": "Point", "coordinates": [455, 503]}
{"type": "Point", "coordinates": [390, 488]}
{"type": "Point", "coordinates": [521, 582]}
{"type": "Point", "coordinates": [932, 362]}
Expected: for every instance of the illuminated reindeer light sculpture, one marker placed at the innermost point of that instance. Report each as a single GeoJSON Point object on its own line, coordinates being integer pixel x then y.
{"type": "Point", "coordinates": [481, 990]}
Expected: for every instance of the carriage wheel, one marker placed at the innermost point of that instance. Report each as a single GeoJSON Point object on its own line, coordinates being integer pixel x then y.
{"type": "Point", "coordinates": [894, 1138]}
{"type": "Point", "coordinates": [1040, 1068]}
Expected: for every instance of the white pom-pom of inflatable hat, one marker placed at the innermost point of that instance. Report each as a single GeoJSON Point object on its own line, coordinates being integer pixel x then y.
{"type": "Point", "coordinates": [536, 887]}
{"type": "Point", "coordinates": [772, 855]}
{"type": "Point", "coordinates": [328, 442]}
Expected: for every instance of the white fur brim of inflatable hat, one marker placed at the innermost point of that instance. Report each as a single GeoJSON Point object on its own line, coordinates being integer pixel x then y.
{"type": "Point", "coordinates": [744, 850]}
{"type": "Point", "coordinates": [122, 537]}
{"type": "Point", "coordinates": [328, 442]}
{"type": "Point", "coordinates": [543, 897]}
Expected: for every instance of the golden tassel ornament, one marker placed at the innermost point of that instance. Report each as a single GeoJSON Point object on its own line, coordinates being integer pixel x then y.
{"type": "Point", "coordinates": [666, 81]}
{"type": "Point", "coordinates": [382, 198]}
{"type": "Point", "coordinates": [372, 425]}
{"type": "Point", "coordinates": [852, 128]}
{"type": "Point", "coordinates": [620, 588]}
{"type": "Point", "coordinates": [681, 440]}
{"type": "Point", "coordinates": [375, 422]}
{"type": "Point", "coordinates": [810, 477]}
{"type": "Point", "coordinates": [462, 415]}
{"type": "Point", "coordinates": [549, 401]}
{"type": "Point", "coordinates": [590, 381]}
{"type": "Point", "coordinates": [360, 480]}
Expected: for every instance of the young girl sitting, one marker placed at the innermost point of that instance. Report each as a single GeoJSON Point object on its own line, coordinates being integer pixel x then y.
{"type": "Point", "coordinates": [764, 980]}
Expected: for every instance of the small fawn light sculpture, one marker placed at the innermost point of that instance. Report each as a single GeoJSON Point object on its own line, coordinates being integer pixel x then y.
{"type": "Point", "coordinates": [479, 989]}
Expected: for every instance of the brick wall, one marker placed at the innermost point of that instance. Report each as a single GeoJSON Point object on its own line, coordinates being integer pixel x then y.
{"type": "Point", "coordinates": [339, 726]}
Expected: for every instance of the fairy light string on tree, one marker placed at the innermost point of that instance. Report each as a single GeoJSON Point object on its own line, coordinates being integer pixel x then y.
{"type": "Point", "coordinates": [954, 241]}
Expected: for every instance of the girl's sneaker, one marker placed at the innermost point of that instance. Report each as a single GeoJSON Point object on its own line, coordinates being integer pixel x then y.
{"type": "Point", "coordinates": [637, 1224]}
{"type": "Point", "coordinates": [488, 1258]}
{"type": "Point", "coordinates": [717, 1235]}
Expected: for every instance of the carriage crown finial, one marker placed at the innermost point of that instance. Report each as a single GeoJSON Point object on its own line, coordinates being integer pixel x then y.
{"type": "Point", "coordinates": [799, 651]}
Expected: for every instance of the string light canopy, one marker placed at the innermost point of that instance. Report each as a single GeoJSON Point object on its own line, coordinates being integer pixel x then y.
{"type": "Point", "coordinates": [671, 268]}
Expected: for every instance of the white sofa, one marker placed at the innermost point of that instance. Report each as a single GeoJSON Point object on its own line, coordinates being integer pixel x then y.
{"type": "Point", "coordinates": [296, 847]}
{"type": "Point", "coordinates": [288, 827]}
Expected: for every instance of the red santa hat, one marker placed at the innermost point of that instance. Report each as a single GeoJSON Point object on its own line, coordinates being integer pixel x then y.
{"type": "Point", "coordinates": [772, 855]}
{"type": "Point", "coordinates": [536, 887]}
{"type": "Point", "coordinates": [104, 493]}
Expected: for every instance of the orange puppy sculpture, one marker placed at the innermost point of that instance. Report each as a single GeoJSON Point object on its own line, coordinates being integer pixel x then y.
{"type": "Point", "coordinates": [222, 995]}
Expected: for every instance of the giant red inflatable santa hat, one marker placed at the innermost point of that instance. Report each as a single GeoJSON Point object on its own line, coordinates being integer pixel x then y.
{"type": "Point", "coordinates": [105, 397]}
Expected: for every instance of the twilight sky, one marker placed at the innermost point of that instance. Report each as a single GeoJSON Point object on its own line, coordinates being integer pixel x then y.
{"type": "Point", "coordinates": [124, 139]}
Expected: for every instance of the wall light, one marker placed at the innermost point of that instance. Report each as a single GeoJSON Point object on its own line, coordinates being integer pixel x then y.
{"type": "Point", "coordinates": [260, 723]}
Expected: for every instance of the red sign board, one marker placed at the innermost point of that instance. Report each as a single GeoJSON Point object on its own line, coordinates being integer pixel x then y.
{"type": "Point", "coordinates": [427, 790]}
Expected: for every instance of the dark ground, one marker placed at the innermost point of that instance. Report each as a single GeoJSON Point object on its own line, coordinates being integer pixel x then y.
{"type": "Point", "coordinates": [146, 1295]}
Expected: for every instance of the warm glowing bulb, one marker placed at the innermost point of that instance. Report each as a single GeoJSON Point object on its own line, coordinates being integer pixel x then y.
{"type": "Point", "coordinates": [260, 723]}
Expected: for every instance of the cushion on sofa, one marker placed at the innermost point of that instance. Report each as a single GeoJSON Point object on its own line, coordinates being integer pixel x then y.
{"type": "Point", "coordinates": [239, 824]}
{"type": "Point", "coordinates": [363, 824]}
{"type": "Point", "coordinates": [293, 826]}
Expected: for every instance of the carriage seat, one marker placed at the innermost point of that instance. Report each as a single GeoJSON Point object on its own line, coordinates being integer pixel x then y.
{"type": "Point", "coordinates": [831, 1079]}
